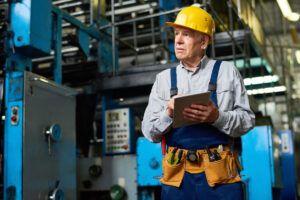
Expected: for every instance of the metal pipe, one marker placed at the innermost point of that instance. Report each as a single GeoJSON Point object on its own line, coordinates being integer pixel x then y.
{"type": "Point", "coordinates": [145, 35]}
{"type": "Point", "coordinates": [287, 46]}
{"type": "Point", "coordinates": [166, 37]}
{"type": "Point", "coordinates": [61, 2]}
{"type": "Point", "coordinates": [70, 5]}
{"type": "Point", "coordinates": [98, 41]}
{"type": "Point", "coordinates": [229, 4]}
{"type": "Point", "coordinates": [153, 36]}
{"type": "Point", "coordinates": [133, 15]}
{"type": "Point", "coordinates": [113, 36]}
{"type": "Point", "coordinates": [57, 49]}
{"type": "Point", "coordinates": [141, 18]}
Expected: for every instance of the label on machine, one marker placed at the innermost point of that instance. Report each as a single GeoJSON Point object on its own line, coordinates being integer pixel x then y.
{"type": "Point", "coordinates": [117, 131]}
{"type": "Point", "coordinates": [285, 142]}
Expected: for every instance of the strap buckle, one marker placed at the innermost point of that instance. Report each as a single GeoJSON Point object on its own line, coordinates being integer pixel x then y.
{"type": "Point", "coordinates": [173, 92]}
{"type": "Point", "coordinates": [212, 87]}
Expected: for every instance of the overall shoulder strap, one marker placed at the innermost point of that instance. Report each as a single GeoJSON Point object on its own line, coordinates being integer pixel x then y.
{"type": "Point", "coordinates": [212, 87]}
{"type": "Point", "coordinates": [173, 89]}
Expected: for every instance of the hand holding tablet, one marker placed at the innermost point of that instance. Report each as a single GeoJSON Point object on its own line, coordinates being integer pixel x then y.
{"type": "Point", "coordinates": [185, 101]}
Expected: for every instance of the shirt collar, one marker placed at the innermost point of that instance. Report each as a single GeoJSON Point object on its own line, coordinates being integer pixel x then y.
{"type": "Point", "coordinates": [202, 63]}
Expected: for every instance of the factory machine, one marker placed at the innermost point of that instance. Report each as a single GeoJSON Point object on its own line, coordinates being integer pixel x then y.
{"type": "Point", "coordinates": [261, 161]}
{"type": "Point", "coordinates": [116, 177]}
{"type": "Point", "coordinates": [40, 114]}
{"type": "Point", "coordinates": [268, 159]}
{"type": "Point", "coordinates": [39, 128]}
{"type": "Point", "coordinates": [39, 140]}
{"type": "Point", "coordinates": [289, 191]}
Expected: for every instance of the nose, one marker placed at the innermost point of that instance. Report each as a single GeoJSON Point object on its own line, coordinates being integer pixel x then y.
{"type": "Point", "coordinates": [178, 39]}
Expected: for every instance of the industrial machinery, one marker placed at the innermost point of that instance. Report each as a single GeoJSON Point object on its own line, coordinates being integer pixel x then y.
{"type": "Point", "coordinates": [289, 191]}
{"type": "Point", "coordinates": [261, 161]}
{"type": "Point", "coordinates": [149, 168]}
{"type": "Point", "coordinates": [118, 179]}
{"type": "Point", "coordinates": [39, 129]}
{"type": "Point", "coordinates": [39, 140]}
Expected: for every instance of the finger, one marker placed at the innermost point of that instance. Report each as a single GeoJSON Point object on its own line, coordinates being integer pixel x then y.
{"type": "Point", "coordinates": [193, 111]}
{"type": "Point", "coordinates": [194, 118]}
{"type": "Point", "coordinates": [193, 115]}
{"type": "Point", "coordinates": [198, 107]}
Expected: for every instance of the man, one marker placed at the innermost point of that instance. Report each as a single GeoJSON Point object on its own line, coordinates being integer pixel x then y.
{"type": "Point", "coordinates": [206, 169]}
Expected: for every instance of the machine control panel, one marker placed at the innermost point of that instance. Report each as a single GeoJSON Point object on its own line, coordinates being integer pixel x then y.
{"type": "Point", "coordinates": [14, 115]}
{"type": "Point", "coordinates": [118, 128]}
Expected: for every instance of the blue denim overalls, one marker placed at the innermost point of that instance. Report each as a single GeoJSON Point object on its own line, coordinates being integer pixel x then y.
{"type": "Point", "coordinates": [194, 186]}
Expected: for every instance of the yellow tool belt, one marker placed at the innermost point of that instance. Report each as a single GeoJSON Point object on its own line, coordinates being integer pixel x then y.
{"type": "Point", "coordinates": [217, 172]}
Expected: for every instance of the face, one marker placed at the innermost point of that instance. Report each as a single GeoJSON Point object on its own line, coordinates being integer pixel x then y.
{"type": "Point", "coordinates": [188, 44]}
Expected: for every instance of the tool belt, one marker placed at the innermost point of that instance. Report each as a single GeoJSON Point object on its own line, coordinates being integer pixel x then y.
{"type": "Point", "coordinates": [219, 171]}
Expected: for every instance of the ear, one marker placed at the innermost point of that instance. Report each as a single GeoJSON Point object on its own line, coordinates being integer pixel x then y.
{"type": "Point", "coordinates": [205, 41]}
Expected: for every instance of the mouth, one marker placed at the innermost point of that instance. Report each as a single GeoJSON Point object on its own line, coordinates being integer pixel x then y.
{"type": "Point", "coordinates": [179, 49]}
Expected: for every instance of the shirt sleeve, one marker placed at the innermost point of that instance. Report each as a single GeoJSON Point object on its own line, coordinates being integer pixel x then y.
{"type": "Point", "coordinates": [155, 121]}
{"type": "Point", "coordinates": [240, 119]}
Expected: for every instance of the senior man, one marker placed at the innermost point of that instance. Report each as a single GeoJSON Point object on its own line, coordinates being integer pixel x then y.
{"type": "Point", "coordinates": [199, 163]}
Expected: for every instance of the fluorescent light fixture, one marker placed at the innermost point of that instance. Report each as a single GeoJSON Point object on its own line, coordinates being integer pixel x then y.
{"type": "Point", "coordinates": [297, 53]}
{"type": "Point", "coordinates": [287, 11]}
{"type": "Point", "coordinates": [267, 90]}
{"type": "Point", "coordinates": [261, 80]}
{"type": "Point", "coordinates": [294, 17]}
{"type": "Point", "coordinates": [284, 7]}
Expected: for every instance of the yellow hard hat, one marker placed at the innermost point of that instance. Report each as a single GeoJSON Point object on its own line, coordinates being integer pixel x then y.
{"type": "Point", "coordinates": [195, 18]}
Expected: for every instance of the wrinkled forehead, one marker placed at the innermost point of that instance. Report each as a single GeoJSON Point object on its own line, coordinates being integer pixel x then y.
{"type": "Point", "coordinates": [183, 29]}
{"type": "Point", "coordinates": [187, 30]}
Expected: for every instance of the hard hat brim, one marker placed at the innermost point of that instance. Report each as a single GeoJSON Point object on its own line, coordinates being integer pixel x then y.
{"type": "Point", "coordinates": [173, 25]}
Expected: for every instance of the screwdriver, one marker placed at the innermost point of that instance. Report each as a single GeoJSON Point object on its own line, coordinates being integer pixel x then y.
{"type": "Point", "coordinates": [178, 158]}
{"type": "Point", "coordinates": [172, 155]}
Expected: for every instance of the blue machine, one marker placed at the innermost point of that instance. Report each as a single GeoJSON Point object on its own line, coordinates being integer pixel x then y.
{"type": "Point", "coordinates": [149, 166]}
{"type": "Point", "coordinates": [288, 165]}
{"type": "Point", "coordinates": [32, 36]}
{"type": "Point", "coordinates": [261, 162]}
{"type": "Point", "coordinates": [35, 164]}
{"type": "Point", "coordinates": [35, 133]}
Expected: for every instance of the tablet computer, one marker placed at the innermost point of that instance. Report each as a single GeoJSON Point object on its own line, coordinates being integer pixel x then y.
{"type": "Point", "coordinates": [182, 102]}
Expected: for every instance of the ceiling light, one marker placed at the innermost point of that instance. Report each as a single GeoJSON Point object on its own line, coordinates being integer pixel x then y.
{"type": "Point", "coordinates": [293, 17]}
{"type": "Point", "coordinates": [287, 11]}
{"type": "Point", "coordinates": [298, 56]}
{"type": "Point", "coordinates": [260, 80]}
{"type": "Point", "coordinates": [267, 90]}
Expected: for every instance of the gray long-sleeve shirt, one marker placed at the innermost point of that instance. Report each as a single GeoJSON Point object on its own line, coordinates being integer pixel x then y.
{"type": "Point", "coordinates": [235, 116]}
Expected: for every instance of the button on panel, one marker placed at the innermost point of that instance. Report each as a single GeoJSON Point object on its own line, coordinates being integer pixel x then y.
{"type": "Point", "coordinates": [117, 131]}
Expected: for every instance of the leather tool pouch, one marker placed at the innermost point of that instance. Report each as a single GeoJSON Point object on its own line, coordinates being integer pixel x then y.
{"type": "Point", "coordinates": [172, 174]}
{"type": "Point", "coordinates": [222, 171]}
{"type": "Point", "coordinates": [217, 172]}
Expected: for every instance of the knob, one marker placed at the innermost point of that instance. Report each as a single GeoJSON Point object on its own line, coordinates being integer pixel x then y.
{"type": "Point", "coordinates": [95, 170]}
{"type": "Point", "coordinates": [54, 132]}
{"type": "Point", "coordinates": [56, 193]}
{"type": "Point", "coordinates": [154, 163]}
